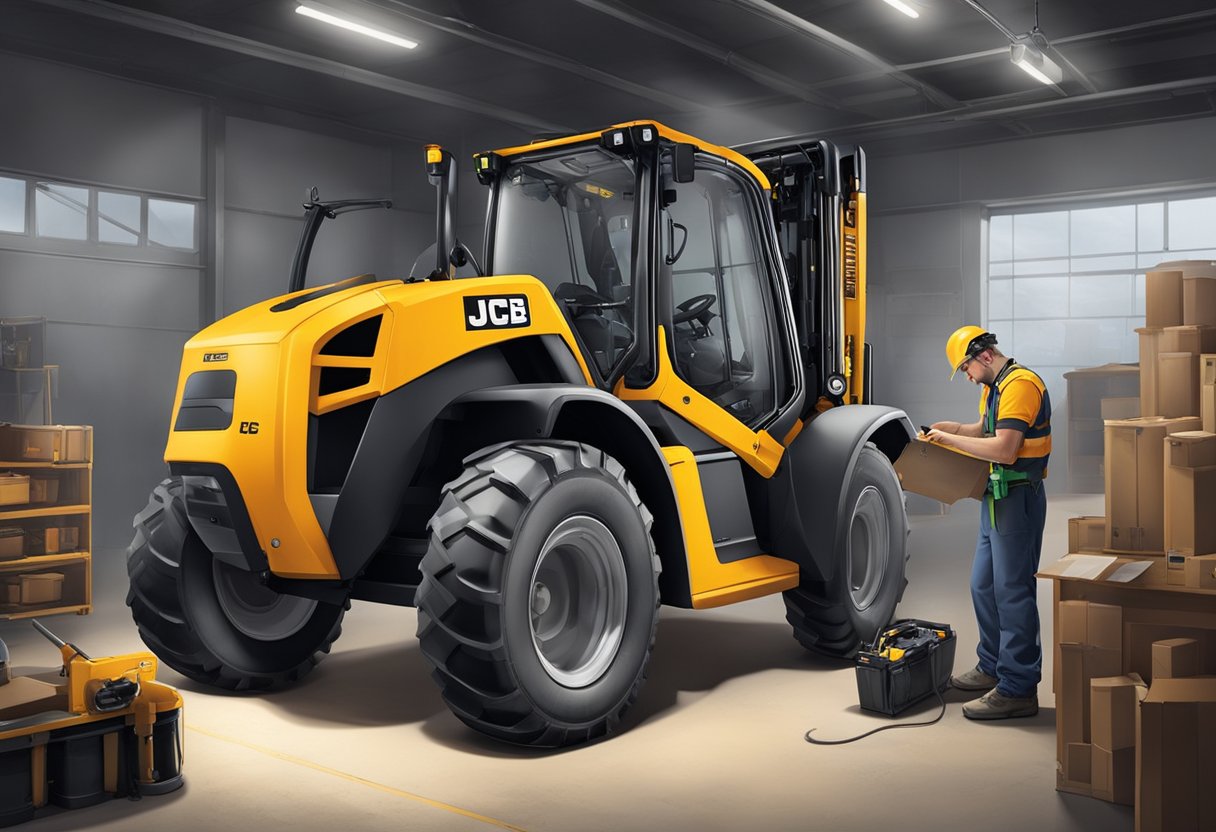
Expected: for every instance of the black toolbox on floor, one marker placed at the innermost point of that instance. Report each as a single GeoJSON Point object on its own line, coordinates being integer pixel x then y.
{"type": "Point", "coordinates": [907, 661]}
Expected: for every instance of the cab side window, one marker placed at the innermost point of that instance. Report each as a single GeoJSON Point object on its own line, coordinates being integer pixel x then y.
{"type": "Point", "coordinates": [722, 308]}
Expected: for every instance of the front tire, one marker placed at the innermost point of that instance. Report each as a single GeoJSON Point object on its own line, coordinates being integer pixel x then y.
{"type": "Point", "coordinates": [212, 622]}
{"type": "Point", "coordinates": [539, 597]}
{"type": "Point", "coordinates": [835, 617]}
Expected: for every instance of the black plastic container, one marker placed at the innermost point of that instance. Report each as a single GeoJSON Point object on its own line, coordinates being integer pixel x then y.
{"type": "Point", "coordinates": [925, 653]}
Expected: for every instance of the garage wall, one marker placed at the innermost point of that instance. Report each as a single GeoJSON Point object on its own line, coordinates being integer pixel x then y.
{"type": "Point", "coordinates": [926, 235]}
{"type": "Point", "coordinates": [116, 318]}
{"type": "Point", "coordinates": [117, 321]}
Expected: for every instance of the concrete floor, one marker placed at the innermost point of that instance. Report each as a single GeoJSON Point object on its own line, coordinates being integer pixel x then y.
{"type": "Point", "coordinates": [715, 740]}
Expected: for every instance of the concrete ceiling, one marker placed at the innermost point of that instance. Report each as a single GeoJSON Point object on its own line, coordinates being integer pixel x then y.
{"type": "Point", "coordinates": [729, 70]}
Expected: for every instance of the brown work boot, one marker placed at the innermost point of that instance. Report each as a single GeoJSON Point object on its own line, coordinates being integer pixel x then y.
{"type": "Point", "coordinates": [995, 705]}
{"type": "Point", "coordinates": [973, 679]}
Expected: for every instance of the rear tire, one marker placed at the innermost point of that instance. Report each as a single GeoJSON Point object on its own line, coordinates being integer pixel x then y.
{"type": "Point", "coordinates": [539, 596]}
{"type": "Point", "coordinates": [212, 622]}
{"type": "Point", "coordinates": [835, 617]}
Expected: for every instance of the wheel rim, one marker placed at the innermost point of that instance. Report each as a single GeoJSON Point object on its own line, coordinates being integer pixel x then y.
{"type": "Point", "coordinates": [256, 610]}
{"type": "Point", "coordinates": [869, 543]}
{"type": "Point", "coordinates": [577, 601]}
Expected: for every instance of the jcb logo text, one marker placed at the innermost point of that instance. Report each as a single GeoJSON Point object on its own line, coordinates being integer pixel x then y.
{"type": "Point", "coordinates": [496, 312]}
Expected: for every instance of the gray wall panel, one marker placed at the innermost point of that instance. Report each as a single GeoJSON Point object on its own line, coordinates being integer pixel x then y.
{"type": "Point", "coordinates": [271, 168]}
{"type": "Point", "coordinates": [67, 122]}
{"type": "Point", "coordinates": [98, 292]}
{"type": "Point", "coordinates": [122, 382]}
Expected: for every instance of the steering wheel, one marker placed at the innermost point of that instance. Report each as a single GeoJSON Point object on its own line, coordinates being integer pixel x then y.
{"type": "Point", "coordinates": [693, 308]}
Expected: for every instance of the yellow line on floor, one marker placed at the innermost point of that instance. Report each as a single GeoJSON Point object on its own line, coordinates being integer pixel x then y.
{"type": "Point", "coordinates": [270, 752]}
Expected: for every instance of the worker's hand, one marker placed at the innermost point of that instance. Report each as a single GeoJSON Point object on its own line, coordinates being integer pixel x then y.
{"type": "Point", "coordinates": [947, 427]}
{"type": "Point", "coordinates": [938, 436]}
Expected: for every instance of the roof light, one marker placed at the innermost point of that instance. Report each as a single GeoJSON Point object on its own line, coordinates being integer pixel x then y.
{"type": "Point", "coordinates": [326, 17]}
{"type": "Point", "coordinates": [1035, 63]}
{"type": "Point", "coordinates": [903, 7]}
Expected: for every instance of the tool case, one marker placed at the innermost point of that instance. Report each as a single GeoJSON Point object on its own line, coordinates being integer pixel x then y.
{"type": "Point", "coordinates": [905, 664]}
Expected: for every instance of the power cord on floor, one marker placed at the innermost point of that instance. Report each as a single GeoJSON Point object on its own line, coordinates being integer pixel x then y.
{"type": "Point", "coordinates": [926, 723]}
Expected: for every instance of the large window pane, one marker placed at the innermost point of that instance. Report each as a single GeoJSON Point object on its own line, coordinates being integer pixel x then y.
{"type": "Point", "coordinates": [1000, 299]}
{"type": "Point", "coordinates": [118, 218]}
{"type": "Point", "coordinates": [1040, 235]}
{"type": "Point", "coordinates": [1110, 230]}
{"type": "Point", "coordinates": [12, 205]}
{"type": "Point", "coordinates": [62, 211]}
{"type": "Point", "coordinates": [171, 223]}
{"type": "Point", "coordinates": [1105, 295]}
{"type": "Point", "coordinates": [1192, 224]}
{"type": "Point", "coordinates": [1150, 226]}
{"type": "Point", "coordinates": [1000, 238]}
{"type": "Point", "coordinates": [1040, 297]}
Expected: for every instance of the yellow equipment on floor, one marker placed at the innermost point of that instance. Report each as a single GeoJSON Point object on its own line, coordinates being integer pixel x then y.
{"type": "Point", "coordinates": [102, 728]}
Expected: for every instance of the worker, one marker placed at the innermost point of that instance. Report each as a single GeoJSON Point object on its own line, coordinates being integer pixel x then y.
{"type": "Point", "coordinates": [1014, 436]}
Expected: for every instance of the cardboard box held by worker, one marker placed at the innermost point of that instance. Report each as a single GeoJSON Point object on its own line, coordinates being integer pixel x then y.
{"type": "Point", "coordinates": [942, 473]}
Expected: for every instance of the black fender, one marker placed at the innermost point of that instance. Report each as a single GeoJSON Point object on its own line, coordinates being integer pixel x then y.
{"type": "Point", "coordinates": [806, 494]}
{"type": "Point", "coordinates": [586, 414]}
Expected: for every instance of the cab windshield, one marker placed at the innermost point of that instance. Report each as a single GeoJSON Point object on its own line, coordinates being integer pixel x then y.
{"type": "Point", "coordinates": [569, 221]}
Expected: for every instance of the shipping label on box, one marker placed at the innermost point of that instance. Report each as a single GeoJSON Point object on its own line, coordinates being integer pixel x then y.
{"type": "Point", "coordinates": [941, 473]}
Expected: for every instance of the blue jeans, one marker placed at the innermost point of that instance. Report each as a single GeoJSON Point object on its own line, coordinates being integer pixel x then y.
{"type": "Point", "coordinates": [1003, 590]}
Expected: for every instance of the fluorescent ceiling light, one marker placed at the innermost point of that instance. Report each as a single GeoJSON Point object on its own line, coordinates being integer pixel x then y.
{"type": "Point", "coordinates": [1035, 63]}
{"type": "Point", "coordinates": [903, 7]}
{"type": "Point", "coordinates": [325, 17]}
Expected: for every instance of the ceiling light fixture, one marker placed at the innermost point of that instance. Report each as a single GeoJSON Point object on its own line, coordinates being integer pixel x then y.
{"type": "Point", "coordinates": [1035, 63]}
{"type": "Point", "coordinates": [903, 7]}
{"type": "Point", "coordinates": [326, 17]}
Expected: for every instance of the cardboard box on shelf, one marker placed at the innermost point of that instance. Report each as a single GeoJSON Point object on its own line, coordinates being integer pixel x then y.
{"type": "Point", "coordinates": [44, 489]}
{"type": "Point", "coordinates": [1190, 523]}
{"type": "Point", "coordinates": [53, 540]}
{"type": "Point", "coordinates": [34, 588]}
{"type": "Point", "coordinates": [1175, 658]}
{"type": "Point", "coordinates": [46, 443]}
{"type": "Point", "coordinates": [1120, 407]}
{"type": "Point", "coordinates": [1113, 703]}
{"type": "Point", "coordinates": [1086, 534]}
{"type": "Point", "coordinates": [1177, 384]}
{"type": "Point", "coordinates": [941, 473]}
{"type": "Point", "coordinates": [1095, 625]}
{"type": "Point", "coordinates": [1207, 392]}
{"type": "Point", "coordinates": [1135, 481]}
{"type": "Point", "coordinates": [1175, 756]}
{"type": "Point", "coordinates": [14, 489]}
{"type": "Point", "coordinates": [1200, 572]}
{"type": "Point", "coordinates": [12, 542]}
{"type": "Point", "coordinates": [1163, 298]}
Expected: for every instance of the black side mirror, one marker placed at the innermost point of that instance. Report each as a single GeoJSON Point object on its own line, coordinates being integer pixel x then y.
{"type": "Point", "coordinates": [684, 162]}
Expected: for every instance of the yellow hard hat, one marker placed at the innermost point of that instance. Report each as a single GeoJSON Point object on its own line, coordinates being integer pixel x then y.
{"type": "Point", "coordinates": [965, 343]}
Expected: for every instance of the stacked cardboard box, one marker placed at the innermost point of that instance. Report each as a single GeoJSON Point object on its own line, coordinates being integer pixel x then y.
{"type": "Point", "coordinates": [1207, 391]}
{"type": "Point", "coordinates": [1190, 493]}
{"type": "Point", "coordinates": [1113, 704]}
{"type": "Point", "coordinates": [1086, 534]}
{"type": "Point", "coordinates": [1180, 325]}
{"type": "Point", "coordinates": [1135, 481]}
{"type": "Point", "coordinates": [1176, 756]}
{"type": "Point", "coordinates": [1091, 647]}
